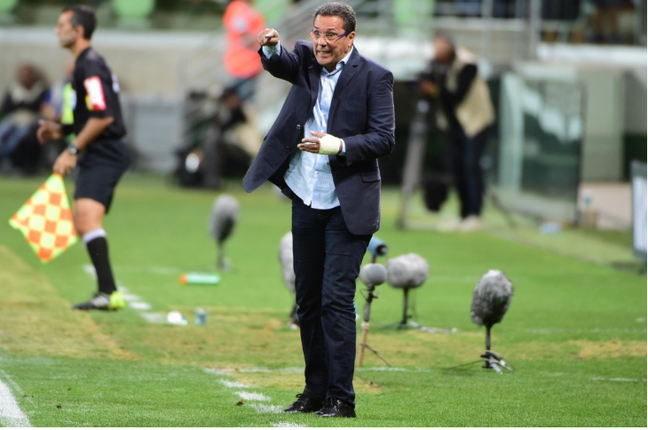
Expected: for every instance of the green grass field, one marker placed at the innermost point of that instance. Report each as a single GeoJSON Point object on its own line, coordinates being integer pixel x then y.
{"type": "Point", "coordinates": [575, 331]}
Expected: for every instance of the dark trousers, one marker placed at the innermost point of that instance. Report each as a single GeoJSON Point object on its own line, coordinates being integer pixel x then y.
{"type": "Point", "coordinates": [327, 258]}
{"type": "Point", "coordinates": [466, 153]}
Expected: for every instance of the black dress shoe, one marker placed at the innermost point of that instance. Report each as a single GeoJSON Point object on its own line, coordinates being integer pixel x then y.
{"type": "Point", "coordinates": [305, 404]}
{"type": "Point", "coordinates": [336, 408]}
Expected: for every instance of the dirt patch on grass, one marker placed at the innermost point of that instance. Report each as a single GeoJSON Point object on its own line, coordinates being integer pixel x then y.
{"type": "Point", "coordinates": [611, 349]}
{"type": "Point", "coordinates": [34, 320]}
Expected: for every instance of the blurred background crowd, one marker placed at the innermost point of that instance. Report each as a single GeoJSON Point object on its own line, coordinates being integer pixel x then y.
{"type": "Point", "coordinates": [566, 78]}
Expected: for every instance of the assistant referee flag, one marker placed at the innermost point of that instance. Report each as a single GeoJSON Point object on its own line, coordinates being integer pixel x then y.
{"type": "Point", "coordinates": [46, 220]}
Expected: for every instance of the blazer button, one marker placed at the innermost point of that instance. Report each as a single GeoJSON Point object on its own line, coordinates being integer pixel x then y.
{"type": "Point", "coordinates": [287, 148]}
{"type": "Point", "coordinates": [298, 127]}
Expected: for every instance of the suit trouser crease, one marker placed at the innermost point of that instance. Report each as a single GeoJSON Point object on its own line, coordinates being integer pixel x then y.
{"type": "Point", "coordinates": [327, 258]}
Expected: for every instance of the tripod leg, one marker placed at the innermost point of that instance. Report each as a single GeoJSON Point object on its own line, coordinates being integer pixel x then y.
{"type": "Point", "coordinates": [363, 342]}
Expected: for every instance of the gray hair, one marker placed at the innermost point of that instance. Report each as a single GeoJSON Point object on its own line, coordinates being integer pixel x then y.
{"type": "Point", "coordinates": [341, 10]}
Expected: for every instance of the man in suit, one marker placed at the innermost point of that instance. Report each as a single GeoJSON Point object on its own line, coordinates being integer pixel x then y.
{"type": "Point", "coordinates": [322, 152]}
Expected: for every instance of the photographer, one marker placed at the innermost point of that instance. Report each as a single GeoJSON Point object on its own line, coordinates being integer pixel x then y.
{"type": "Point", "coordinates": [466, 113]}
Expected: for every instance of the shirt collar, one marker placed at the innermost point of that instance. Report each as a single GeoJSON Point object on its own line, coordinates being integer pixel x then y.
{"type": "Point", "coordinates": [340, 63]}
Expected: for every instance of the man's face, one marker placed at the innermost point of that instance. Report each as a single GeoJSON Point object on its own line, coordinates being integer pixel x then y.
{"type": "Point", "coordinates": [442, 50]}
{"type": "Point", "coordinates": [27, 76]}
{"type": "Point", "coordinates": [329, 52]}
{"type": "Point", "coordinates": [66, 34]}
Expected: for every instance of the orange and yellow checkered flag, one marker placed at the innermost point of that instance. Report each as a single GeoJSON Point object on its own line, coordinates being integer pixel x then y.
{"type": "Point", "coordinates": [46, 220]}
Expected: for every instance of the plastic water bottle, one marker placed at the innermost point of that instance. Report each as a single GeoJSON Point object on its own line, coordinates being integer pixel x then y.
{"type": "Point", "coordinates": [201, 316]}
{"type": "Point", "coordinates": [196, 278]}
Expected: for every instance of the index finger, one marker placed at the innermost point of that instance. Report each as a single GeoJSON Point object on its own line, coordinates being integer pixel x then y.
{"type": "Point", "coordinates": [266, 35]}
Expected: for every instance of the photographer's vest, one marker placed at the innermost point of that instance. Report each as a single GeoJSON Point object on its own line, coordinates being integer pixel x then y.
{"type": "Point", "coordinates": [475, 112]}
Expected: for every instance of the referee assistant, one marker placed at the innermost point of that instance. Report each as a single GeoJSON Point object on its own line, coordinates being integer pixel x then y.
{"type": "Point", "coordinates": [97, 148]}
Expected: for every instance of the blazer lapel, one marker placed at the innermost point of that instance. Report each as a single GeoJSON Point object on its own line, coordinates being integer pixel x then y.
{"type": "Point", "coordinates": [314, 72]}
{"type": "Point", "coordinates": [346, 75]}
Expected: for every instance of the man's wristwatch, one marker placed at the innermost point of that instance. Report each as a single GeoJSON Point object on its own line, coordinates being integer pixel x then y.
{"type": "Point", "coordinates": [73, 150]}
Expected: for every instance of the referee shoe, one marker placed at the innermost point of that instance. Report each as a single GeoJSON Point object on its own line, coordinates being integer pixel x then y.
{"type": "Point", "coordinates": [103, 302]}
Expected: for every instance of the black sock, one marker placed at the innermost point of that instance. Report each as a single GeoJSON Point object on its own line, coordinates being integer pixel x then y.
{"type": "Point", "coordinates": [98, 250]}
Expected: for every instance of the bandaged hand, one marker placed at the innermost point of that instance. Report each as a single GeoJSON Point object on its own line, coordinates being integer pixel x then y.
{"type": "Point", "coordinates": [321, 143]}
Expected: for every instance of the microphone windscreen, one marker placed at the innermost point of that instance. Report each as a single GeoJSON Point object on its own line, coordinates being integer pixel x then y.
{"type": "Point", "coordinates": [223, 217]}
{"type": "Point", "coordinates": [407, 271]}
{"type": "Point", "coordinates": [373, 274]}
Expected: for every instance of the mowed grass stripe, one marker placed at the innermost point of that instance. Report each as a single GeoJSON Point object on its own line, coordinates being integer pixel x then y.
{"type": "Point", "coordinates": [35, 320]}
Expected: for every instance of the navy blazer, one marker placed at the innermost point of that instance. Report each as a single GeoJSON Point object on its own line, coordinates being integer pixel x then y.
{"type": "Point", "coordinates": [362, 113]}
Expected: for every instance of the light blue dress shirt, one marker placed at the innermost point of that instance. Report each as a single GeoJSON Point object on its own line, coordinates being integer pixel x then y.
{"type": "Point", "coordinates": [309, 175]}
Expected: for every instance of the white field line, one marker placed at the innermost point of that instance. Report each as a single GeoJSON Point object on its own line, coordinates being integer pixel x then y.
{"type": "Point", "coordinates": [232, 384]}
{"type": "Point", "coordinates": [139, 306]}
{"type": "Point", "coordinates": [10, 413]}
{"type": "Point", "coordinates": [230, 371]}
{"type": "Point", "coordinates": [619, 379]}
{"type": "Point", "coordinates": [133, 301]}
{"type": "Point", "coordinates": [245, 395]}
{"type": "Point", "coordinates": [257, 401]}
{"type": "Point", "coordinates": [590, 330]}
{"type": "Point", "coordinates": [267, 409]}
{"type": "Point", "coordinates": [153, 317]}
{"type": "Point", "coordinates": [14, 386]}
{"type": "Point", "coordinates": [90, 270]}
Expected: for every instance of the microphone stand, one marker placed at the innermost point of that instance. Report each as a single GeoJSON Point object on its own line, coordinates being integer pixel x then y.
{"type": "Point", "coordinates": [365, 327]}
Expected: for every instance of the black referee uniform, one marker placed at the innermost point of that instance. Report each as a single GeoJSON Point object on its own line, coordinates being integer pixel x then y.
{"type": "Point", "coordinates": [106, 159]}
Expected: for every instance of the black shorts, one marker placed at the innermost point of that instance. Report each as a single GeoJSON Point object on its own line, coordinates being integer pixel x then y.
{"type": "Point", "coordinates": [100, 168]}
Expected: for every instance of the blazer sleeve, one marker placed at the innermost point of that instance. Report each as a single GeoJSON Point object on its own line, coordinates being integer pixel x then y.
{"type": "Point", "coordinates": [378, 138]}
{"type": "Point", "coordinates": [284, 66]}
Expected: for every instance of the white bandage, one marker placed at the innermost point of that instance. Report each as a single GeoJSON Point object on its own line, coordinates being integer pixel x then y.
{"type": "Point", "coordinates": [329, 145]}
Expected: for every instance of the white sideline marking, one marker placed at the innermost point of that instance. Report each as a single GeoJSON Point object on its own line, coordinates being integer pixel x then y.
{"type": "Point", "coordinates": [14, 387]}
{"type": "Point", "coordinates": [435, 330]}
{"type": "Point", "coordinates": [214, 371]}
{"type": "Point", "coordinates": [252, 396]}
{"type": "Point", "coordinates": [133, 301]}
{"type": "Point", "coordinates": [590, 330]}
{"type": "Point", "coordinates": [266, 409]}
{"type": "Point", "coordinates": [619, 379]}
{"type": "Point", "coordinates": [139, 306]}
{"type": "Point", "coordinates": [10, 413]}
{"type": "Point", "coordinates": [231, 384]}
{"type": "Point", "coordinates": [90, 270]}
{"type": "Point", "coordinates": [154, 317]}
{"type": "Point", "coordinates": [230, 370]}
